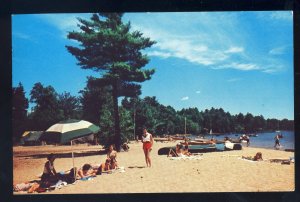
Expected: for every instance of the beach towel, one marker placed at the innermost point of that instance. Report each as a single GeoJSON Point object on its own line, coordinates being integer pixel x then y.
{"type": "Point", "coordinates": [186, 158]}
{"type": "Point", "coordinates": [87, 178]}
{"type": "Point", "coordinates": [248, 160]}
{"type": "Point", "coordinates": [22, 187]}
{"type": "Point", "coordinates": [120, 169]}
{"type": "Point", "coordinates": [59, 185]}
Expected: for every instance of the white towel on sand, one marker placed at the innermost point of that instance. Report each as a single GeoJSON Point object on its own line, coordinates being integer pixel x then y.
{"type": "Point", "coordinates": [186, 158]}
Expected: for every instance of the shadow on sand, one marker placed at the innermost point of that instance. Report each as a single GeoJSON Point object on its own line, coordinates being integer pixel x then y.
{"type": "Point", "coordinates": [66, 155]}
{"type": "Point", "coordinates": [136, 166]}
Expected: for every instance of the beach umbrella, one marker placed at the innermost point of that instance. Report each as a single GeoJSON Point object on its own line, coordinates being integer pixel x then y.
{"type": "Point", "coordinates": [67, 131]}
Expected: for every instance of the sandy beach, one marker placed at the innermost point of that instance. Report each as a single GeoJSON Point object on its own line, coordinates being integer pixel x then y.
{"type": "Point", "coordinates": [213, 172]}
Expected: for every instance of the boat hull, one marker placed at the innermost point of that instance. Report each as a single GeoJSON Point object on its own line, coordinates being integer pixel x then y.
{"type": "Point", "coordinates": [195, 149]}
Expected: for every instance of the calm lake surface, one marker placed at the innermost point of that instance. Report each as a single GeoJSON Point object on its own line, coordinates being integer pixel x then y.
{"type": "Point", "coordinates": [265, 140]}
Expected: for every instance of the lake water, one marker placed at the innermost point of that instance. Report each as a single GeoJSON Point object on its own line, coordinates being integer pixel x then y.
{"type": "Point", "coordinates": [265, 140]}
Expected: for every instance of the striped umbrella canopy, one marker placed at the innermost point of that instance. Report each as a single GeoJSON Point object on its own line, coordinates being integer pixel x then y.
{"type": "Point", "coordinates": [66, 131]}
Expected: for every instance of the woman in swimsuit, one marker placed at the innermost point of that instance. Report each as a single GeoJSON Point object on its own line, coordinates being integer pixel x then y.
{"type": "Point", "coordinates": [147, 140]}
{"type": "Point", "coordinates": [105, 167]}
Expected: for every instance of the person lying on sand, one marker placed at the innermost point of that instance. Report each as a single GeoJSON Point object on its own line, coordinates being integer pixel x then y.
{"type": "Point", "coordinates": [86, 171]}
{"type": "Point", "coordinates": [257, 157]}
{"type": "Point", "coordinates": [30, 187]}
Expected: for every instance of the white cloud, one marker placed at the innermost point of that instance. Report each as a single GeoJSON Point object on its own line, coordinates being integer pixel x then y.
{"type": "Point", "coordinates": [235, 50]}
{"type": "Point", "coordinates": [239, 66]}
{"type": "Point", "coordinates": [210, 40]}
{"type": "Point", "coordinates": [21, 35]}
{"type": "Point", "coordinates": [159, 54]}
{"type": "Point", "coordinates": [278, 50]}
{"type": "Point", "coordinates": [198, 91]}
{"type": "Point", "coordinates": [281, 15]}
{"type": "Point", "coordinates": [184, 98]}
{"type": "Point", "coordinates": [63, 22]}
{"type": "Point", "coordinates": [178, 35]}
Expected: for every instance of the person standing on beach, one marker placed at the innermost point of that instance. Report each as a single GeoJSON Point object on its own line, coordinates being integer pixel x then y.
{"type": "Point", "coordinates": [147, 140]}
{"type": "Point", "coordinates": [276, 138]}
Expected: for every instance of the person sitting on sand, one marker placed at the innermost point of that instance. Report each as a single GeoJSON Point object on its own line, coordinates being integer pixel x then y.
{"type": "Point", "coordinates": [178, 151]}
{"type": "Point", "coordinates": [49, 174]}
{"type": "Point", "coordinates": [105, 167]}
{"type": "Point", "coordinates": [86, 171]}
{"type": "Point", "coordinates": [112, 156]}
{"type": "Point", "coordinates": [125, 147]}
{"type": "Point", "coordinates": [213, 141]}
{"type": "Point", "coordinates": [257, 157]}
{"type": "Point", "coordinates": [185, 144]}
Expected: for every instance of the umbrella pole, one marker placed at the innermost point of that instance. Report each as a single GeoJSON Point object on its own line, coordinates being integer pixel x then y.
{"type": "Point", "coordinates": [73, 159]}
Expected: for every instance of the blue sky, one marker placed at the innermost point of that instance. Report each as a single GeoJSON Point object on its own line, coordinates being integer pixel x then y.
{"type": "Point", "coordinates": [239, 61]}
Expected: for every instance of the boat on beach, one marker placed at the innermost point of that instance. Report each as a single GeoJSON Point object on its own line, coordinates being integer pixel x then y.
{"type": "Point", "coordinates": [162, 139]}
{"type": "Point", "coordinates": [199, 142]}
{"type": "Point", "coordinates": [192, 149]}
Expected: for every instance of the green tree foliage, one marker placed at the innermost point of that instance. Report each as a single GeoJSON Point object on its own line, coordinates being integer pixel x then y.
{"type": "Point", "coordinates": [93, 99]}
{"type": "Point", "coordinates": [19, 111]}
{"type": "Point", "coordinates": [69, 105]}
{"type": "Point", "coordinates": [46, 111]}
{"type": "Point", "coordinates": [107, 46]}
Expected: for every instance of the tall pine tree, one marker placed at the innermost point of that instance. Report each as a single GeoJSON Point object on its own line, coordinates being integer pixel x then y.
{"type": "Point", "coordinates": [107, 46]}
{"type": "Point", "coordinates": [19, 111]}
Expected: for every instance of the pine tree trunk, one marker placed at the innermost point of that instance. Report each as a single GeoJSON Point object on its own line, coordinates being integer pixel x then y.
{"type": "Point", "coordinates": [116, 118]}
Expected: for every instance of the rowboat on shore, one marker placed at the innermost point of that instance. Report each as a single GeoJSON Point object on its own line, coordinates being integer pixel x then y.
{"type": "Point", "coordinates": [199, 143]}
{"type": "Point", "coordinates": [192, 149]}
{"type": "Point", "coordinates": [162, 139]}
{"type": "Point", "coordinates": [232, 146]}
{"type": "Point", "coordinates": [195, 148]}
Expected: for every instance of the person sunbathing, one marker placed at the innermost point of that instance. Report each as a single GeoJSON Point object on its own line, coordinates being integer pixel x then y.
{"type": "Point", "coordinates": [86, 171]}
{"type": "Point", "coordinates": [185, 150]}
{"type": "Point", "coordinates": [257, 157]}
{"type": "Point", "coordinates": [105, 167]}
{"type": "Point", "coordinates": [178, 151]}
